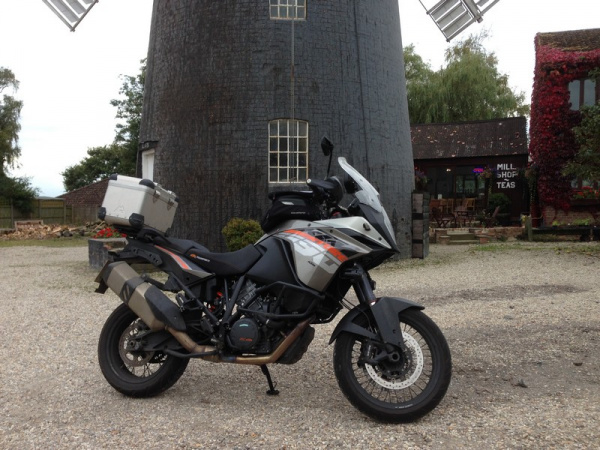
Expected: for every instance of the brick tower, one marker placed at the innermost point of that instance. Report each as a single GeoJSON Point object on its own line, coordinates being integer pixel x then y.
{"type": "Point", "coordinates": [239, 94]}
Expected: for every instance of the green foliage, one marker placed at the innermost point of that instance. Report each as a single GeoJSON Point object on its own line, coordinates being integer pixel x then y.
{"type": "Point", "coordinates": [129, 109]}
{"type": "Point", "coordinates": [100, 163]}
{"type": "Point", "coordinates": [121, 156]}
{"type": "Point", "coordinates": [239, 233]}
{"type": "Point", "coordinates": [469, 87]}
{"type": "Point", "coordinates": [10, 112]}
{"type": "Point", "coordinates": [582, 222]}
{"type": "Point", "coordinates": [500, 200]}
{"type": "Point", "coordinates": [19, 191]}
{"type": "Point", "coordinates": [586, 163]}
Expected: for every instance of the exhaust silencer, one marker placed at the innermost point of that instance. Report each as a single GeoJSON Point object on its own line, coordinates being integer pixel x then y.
{"type": "Point", "coordinates": [147, 301]}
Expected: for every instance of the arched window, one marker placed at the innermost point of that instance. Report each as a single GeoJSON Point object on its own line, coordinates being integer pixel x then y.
{"type": "Point", "coordinates": [288, 151]}
{"type": "Point", "coordinates": [287, 9]}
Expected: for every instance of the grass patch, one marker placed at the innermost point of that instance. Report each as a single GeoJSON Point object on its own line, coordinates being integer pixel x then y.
{"type": "Point", "coordinates": [585, 248]}
{"type": "Point", "coordinates": [63, 242]}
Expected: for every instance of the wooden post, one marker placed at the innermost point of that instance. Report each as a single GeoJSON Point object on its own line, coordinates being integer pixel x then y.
{"type": "Point", "coordinates": [420, 224]}
{"type": "Point", "coordinates": [528, 228]}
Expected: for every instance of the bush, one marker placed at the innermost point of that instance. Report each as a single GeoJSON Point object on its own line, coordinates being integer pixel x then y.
{"type": "Point", "coordinates": [19, 191]}
{"type": "Point", "coordinates": [239, 233]}
{"type": "Point", "coordinates": [500, 200]}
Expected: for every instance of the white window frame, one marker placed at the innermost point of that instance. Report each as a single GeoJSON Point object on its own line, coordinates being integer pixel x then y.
{"type": "Point", "coordinates": [288, 151]}
{"type": "Point", "coordinates": [148, 164]}
{"type": "Point", "coordinates": [287, 9]}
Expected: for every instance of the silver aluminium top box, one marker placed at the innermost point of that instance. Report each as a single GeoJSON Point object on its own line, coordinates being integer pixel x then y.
{"type": "Point", "coordinates": [134, 203]}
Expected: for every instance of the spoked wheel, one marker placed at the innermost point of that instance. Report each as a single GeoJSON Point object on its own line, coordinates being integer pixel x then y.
{"type": "Point", "coordinates": [399, 388]}
{"type": "Point", "coordinates": [131, 371]}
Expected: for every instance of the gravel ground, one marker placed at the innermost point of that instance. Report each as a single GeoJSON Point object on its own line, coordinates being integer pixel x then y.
{"type": "Point", "coordinates": [522, 322]}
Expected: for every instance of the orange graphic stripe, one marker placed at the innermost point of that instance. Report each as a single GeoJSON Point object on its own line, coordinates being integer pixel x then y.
{"type": "Point", "coordinates": [177, 258]}
{"type": "Point", "coordinates": [332, 250]}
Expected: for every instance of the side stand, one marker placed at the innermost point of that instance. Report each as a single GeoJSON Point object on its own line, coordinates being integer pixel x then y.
{"type": "Point", "coordinates": [265, 371]}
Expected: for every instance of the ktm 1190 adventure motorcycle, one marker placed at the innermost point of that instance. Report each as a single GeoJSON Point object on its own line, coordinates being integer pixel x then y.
{"type": "Point", "coordinates": [257, 305]}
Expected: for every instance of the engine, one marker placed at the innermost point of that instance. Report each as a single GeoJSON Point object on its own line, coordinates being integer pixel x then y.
{"type": "Point", "coordinates": [257, 333]}
{"type": "Point", "coordinates": [244, 334]}
{"type": "Point", "coordinates": [254, 332]}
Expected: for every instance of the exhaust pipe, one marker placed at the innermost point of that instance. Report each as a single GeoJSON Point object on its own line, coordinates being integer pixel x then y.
{"type": "Point", "coordinates": [192, 347]}
{"type": "Point", "coordinates": [158, 312]}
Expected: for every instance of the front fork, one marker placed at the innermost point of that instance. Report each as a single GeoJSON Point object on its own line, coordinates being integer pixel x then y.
{"type": "Point", "coordinates": [386, 319]}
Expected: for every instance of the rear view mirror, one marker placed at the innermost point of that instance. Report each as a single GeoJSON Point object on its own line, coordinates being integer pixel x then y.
{"type": "Point", "coordinates": [326, 146]}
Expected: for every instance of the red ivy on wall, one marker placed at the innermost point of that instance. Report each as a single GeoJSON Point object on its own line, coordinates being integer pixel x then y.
{"type": "Point", "coordinates": [552, 143]}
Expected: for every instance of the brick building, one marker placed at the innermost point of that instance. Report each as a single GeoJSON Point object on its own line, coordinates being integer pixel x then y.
{"type": "Point", "coordinates": [85, 201]}
{"type": "Point", "coordinates": [457, 158]}
{"type": "Point", "coordinates": [239, 94]}
{"type": "Point", "coordinates": [563, 84]}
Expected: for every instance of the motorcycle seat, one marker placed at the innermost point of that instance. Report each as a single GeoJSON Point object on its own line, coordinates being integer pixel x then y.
{"type": "Point", "coordinates": [183, 245]}
{"type": "Point", "coordinates": [225, 264]}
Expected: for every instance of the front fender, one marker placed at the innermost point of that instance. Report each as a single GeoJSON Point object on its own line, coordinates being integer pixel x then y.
{"type": "Point", "coordinates": [385, 312]}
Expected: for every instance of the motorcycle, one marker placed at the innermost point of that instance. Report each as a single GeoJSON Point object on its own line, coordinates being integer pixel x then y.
{"type": "Point", "coordinates": [257, 305]}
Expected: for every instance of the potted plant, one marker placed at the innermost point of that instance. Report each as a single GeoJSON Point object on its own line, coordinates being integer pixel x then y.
{"type": "Point", "coordinates": [101, 242]}
{"type": "Point", "coordinates": [501, 200]}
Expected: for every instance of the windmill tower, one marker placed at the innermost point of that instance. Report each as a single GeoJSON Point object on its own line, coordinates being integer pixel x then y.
{"type": "Point", "coordinates": [239, 93]}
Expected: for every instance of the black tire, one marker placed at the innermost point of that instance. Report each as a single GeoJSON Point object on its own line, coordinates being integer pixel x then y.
{"type": "Point", "coordinates": [401, 392]}
{"type": "Point", "coordinates": [136, 374]}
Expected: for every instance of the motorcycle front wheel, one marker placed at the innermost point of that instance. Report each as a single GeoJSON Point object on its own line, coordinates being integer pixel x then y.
{"type": "Point", "coordinates": [395, 391]}
{"type": "Point", "coordinates": [135, 373]}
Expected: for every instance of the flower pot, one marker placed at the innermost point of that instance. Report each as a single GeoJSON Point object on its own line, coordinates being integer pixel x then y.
{"type": "Point", "coordinates": [98, 250]}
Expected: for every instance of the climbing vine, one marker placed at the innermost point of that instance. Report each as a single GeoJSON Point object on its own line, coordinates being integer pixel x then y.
{"type": "Point", "coordinates": [552, 141]}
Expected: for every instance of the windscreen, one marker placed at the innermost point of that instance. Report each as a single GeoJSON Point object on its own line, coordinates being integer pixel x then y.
{"type": "Point", "coordinates": [367, 193]}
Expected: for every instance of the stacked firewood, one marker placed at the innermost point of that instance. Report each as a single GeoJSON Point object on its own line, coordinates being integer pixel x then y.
{"type": "Point", "coordinates": [38, 230]}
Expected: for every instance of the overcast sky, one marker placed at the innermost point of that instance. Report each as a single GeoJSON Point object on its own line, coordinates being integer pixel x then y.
{"type": "Point", "coordinates": [68, 79]}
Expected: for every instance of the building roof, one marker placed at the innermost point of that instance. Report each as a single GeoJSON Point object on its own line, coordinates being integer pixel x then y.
{"type": "Point", "coordinates": [90, 195]}
{"type": "Point", "coordinates": [571, 41]}
{"type": "Point", "coordinates": [470, 139]}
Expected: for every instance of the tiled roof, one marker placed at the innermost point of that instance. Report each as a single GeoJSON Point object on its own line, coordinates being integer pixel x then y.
{"type": "Point", "coordinates": [571, 41]}
{"type": "Point", "coordinates": [90, 195]}
{"type": "Point", "coordinates": [470, 139]}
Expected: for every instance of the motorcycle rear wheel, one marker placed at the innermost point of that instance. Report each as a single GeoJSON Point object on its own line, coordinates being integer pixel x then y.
{"type": "Point", "coordinates": [395, 392]}
{"type": "Point", "coordinates": [134, 373]}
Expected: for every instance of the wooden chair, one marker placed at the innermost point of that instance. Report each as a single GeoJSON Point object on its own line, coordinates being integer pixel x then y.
{"type": "Point", "coordinates": [470, 204]}
{"type": "Point", "coordinates": [442, 219]}
{"type": "Point", "coordinates": [444, 205]}
{"type": "Point", "coordinates": [434, 203]}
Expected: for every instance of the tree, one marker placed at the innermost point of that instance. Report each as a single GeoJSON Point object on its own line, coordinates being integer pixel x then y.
{"type": "Point", "coordinates": [10, 112]}
{"type": "Point", "coordinates": [129, 109]}
{"type": "Point", "coordinates": [17, 190]}
{"type": "Point", "coordinates": [121, 156]}
{"type": "Point", "coordinates": [419, 82]}
{"type": "Point", "coordinates": [586, 163]}
{"type": "Point", "coordinates": [100, 163]}
{"type": "Point", "coordinates": [469, 87]}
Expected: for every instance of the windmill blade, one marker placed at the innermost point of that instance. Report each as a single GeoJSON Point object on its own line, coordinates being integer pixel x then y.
{"type": "Point", "coordinates": [454, 16]}
{"type": "Point", "coordinates": [70, 12]}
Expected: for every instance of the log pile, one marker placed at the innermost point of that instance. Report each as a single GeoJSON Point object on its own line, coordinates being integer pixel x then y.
{"type": "Point", "coordinates": [36, 230]}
